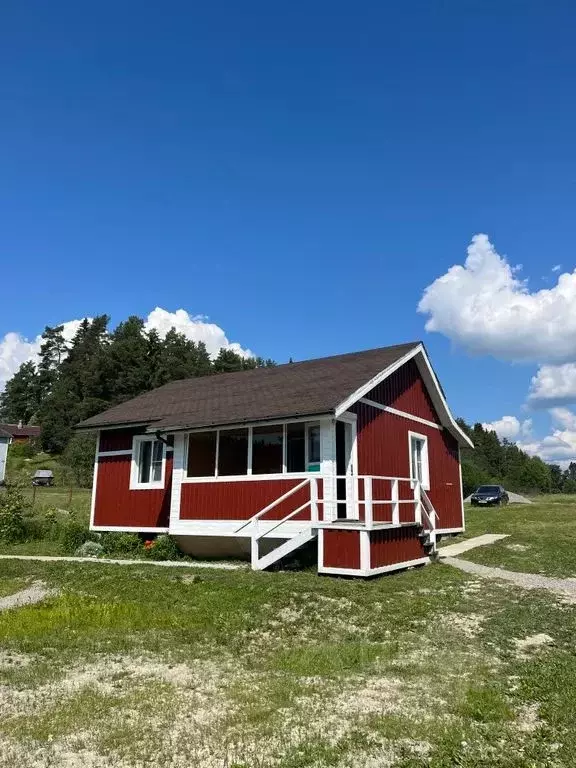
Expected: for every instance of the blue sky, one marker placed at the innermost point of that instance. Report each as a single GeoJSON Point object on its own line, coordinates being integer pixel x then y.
{"type": "Point", "coordinates": [300, 173]}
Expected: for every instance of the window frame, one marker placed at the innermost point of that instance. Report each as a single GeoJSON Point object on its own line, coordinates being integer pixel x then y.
{"type": "Point", "coordinates": [425, 483]}
{"type": "Point", "coordinates": [249, 475]}
{"type": "Point", "coordinates": [135, 484]}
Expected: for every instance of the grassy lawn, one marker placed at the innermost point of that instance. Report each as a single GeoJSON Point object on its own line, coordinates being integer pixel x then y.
{"type": "Point", "coordinates": [542, 536]}
{"type": "Point", "coordinates": [138, 666]}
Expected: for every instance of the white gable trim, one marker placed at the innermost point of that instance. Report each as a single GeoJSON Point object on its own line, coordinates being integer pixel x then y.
{"type": "Point", "coordinates": [431, 383]}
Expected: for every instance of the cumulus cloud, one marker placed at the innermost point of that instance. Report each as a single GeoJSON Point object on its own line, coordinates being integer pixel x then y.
{"type": "Point", "coordinates": [509, 427]}
{"type": "Point", "coordinates": [560, 445]}
{"type": "Point", "coordinates": [553, 385]}
{"type": "Point", "coordinates": [16, 349]}
{"type": "Point", "coordinates": [194, 327]}
{"type": "Point", "coordinates": [484, 307]}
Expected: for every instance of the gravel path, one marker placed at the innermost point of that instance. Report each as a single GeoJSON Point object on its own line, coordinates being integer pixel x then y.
{"type": "Point", "coordinates": [33, 594]}
{"type": "Point", "coordinates": [163, 563]}
{"type": "Point", "coordinates": [564, 587]}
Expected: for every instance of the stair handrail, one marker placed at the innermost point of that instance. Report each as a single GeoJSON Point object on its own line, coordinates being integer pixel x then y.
{"type": "Point", "coordinates": [428, 509]}
{"type": "Point", "coordinates": [273, 504]}
{"type": "Point", "coordinates": [289, 516]}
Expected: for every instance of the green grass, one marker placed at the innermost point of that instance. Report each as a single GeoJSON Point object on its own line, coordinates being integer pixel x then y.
{"type": "Point", "coordinates": [541, 536]}
{"type": "Point", "coordinates": [139, 666]}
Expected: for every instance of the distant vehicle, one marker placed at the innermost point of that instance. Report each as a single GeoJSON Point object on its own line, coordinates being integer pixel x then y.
{"type": "Point", "coordinates": [43, 477]}
{"type": "Point", "coordinates": [489, 495]}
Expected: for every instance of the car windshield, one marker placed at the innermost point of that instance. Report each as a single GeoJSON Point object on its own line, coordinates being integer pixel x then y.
{"type": "Point", "coordinates": [488, 489]}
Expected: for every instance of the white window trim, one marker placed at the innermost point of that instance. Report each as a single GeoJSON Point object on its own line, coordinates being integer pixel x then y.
{"type": "Point", "coordinates": [134, 484]}
{"type": "Point", "coordinates": [425, 460]}
{"type": "Point", "coordinates": [249, 476]}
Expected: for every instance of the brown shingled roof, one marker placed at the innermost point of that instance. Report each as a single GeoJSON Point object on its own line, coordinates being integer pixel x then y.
{"type": "Point", "coordinates": [26, 430]}
{"type": "Point", "coordinates": [312, 387]}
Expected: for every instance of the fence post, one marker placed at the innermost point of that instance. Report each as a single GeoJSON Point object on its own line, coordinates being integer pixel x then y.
{"type": "Point", "coordinates": [70, 497]}
{"type": "Point", "coordinates": [368, 506]}
{"type": "Point", "coordinates": [395, 496]}
{"type": "Point", "coordinates": [33, 494]}
{"type": "Point", "coordinates": [417, 503]}
{"type": "Point", "coordinates": [314, 499]}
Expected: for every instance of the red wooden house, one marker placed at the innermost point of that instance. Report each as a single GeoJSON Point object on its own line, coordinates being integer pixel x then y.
{"type": "Point", "coordinates": [358, 451]}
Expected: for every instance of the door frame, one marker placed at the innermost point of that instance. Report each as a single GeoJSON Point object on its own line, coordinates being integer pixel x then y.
{"type": "Point", "coordinates": [351, 451]}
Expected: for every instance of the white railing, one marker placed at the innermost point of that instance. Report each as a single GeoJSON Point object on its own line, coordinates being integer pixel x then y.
{"type": "Point", "coordinates": [423, 511]}
{"type": "Point", "coordinates": [365, 510]}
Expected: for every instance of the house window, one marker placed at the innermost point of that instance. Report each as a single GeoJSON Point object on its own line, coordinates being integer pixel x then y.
{"type": "Point", "coordinates": [313, 448]}
{"type": "Point", "coordinates": [148, 463]}
{"type": "Point", "coordinates": [267, 450]}
{"type": "Point", "coordinates": [419, 468]}
{"type": "Point", "coordinates": [233, 452]}
{"type": "Point", "coordinates": [274, 449]}
{"type": "Point", "coordinates": [296, 447]}
{"type": "Point", "coordinates": [202, 454]}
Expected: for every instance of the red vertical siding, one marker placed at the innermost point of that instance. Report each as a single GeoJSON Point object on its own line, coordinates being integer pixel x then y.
{"type": "Point", "coordinates": [241, 499]}
{"type": "Point", "coordinates": [383, 449]}
{"type": "Point", "coordinates": [116, 505]}
{"type": "Point", "coordinates": [406, 391]}
{"type": "Point", "coordinates": [118, 439]}
{"type": "Point", "coordinates": [396, 545]}
{"type": "Point", "coordinates": [341, 549]}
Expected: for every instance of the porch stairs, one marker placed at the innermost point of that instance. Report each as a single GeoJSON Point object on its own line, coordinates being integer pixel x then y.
{"type": "Point", "coordinates": [425, 516]}
{"type": "Point", "coordinates": [257, 532]}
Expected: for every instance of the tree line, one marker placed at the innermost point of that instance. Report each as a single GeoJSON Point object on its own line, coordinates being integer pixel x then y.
{"type": "Point", "coordinates": [100, 368]}
{"type": "Point", "coordinates": [500, 462]}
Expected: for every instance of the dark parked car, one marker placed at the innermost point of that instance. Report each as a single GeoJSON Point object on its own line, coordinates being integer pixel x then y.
{"type": "Point", "coordinates": [489, 495]}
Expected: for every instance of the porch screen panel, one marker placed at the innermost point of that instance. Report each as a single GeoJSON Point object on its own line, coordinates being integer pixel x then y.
{"type": "Point", "coordinates": [202, 454]}
{"type": "Point", "coordinates": [267, 443]}
{"type": "Point", "coordinates": [296, 447]}
{"type": "Point", "coordinates": [233, 452]}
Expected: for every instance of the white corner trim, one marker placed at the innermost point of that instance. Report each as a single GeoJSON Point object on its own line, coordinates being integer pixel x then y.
{"type": "Point", "coordinates": [94, 482]}
{"type": "Point", "coordinates": [403, 414]}
{"type": "Point", "coordinates": [461, 490]}
{"type": "Point", "coordinates": [364, 551]}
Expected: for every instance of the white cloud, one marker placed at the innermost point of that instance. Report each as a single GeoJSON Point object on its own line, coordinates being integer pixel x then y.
{"type": "Point", "coordinates": [16, 349]}
{"type": "Point", "coordinates": [556, 267]}
{"type": "Point", "coordinates": [509, 427]}
{"type": "Point", "coordinates": [485, 308]}
{"type": "Point", "coordinates": [560, 445]}
{"type": "Point", "coordinates": [194, 327]}
{"type": "Point", "coordinates": [553, 385]}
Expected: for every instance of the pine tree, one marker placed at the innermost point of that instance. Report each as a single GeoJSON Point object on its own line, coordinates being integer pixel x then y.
{"type": "Point", "coordinates": [20, 399]}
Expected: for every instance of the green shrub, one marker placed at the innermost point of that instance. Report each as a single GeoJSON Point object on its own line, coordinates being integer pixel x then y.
{"type": "Point", "coordinates": [12, 508]}
{"type": "Point", "coordinates": [73, 534]}
{"type": "Point", "coordinates": [89, 549]}
{"type": "Point", "coordinates": [162, 548]}
{"type": "Point", "coordinates": [121, 543]}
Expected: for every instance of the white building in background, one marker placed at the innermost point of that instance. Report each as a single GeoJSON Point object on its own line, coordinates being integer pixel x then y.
{"type": "Point", "coordinates": [5, 440]}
